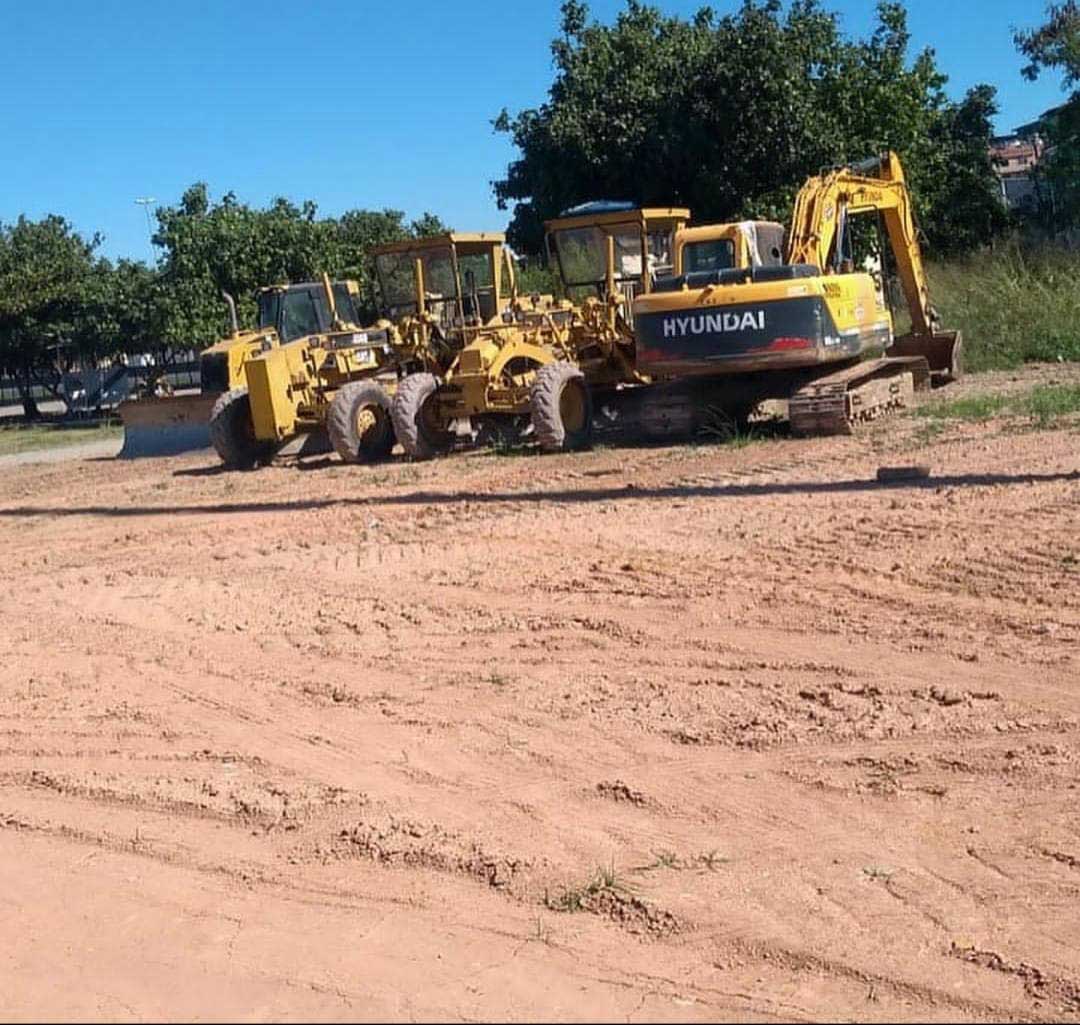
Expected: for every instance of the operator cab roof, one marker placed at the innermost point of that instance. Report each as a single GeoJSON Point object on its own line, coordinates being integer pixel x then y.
{"type": "Point", "coordinates": [451, 238]}
{"type": "Point", "coordinates": [620, 215]}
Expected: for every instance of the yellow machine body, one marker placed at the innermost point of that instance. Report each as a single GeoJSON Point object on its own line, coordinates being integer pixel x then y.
{"type": "Point", "coordinates": [810, 309]}
{"type": "Point", "coordinates": [606, 258]}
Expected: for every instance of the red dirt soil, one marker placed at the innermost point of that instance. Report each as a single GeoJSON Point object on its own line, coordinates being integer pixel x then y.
{"type": "Point", "coordinates": [684, 733]}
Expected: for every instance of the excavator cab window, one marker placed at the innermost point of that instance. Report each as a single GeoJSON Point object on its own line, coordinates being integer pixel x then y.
{"type": "Point", "coordinates": [708, 255]}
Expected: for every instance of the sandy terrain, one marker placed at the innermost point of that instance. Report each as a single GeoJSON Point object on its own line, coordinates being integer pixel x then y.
{"type": "Point", "coordinates": [679, 733]}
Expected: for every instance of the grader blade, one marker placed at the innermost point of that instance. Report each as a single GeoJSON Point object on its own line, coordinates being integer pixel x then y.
{"type": "Point", "coordinates": [166, 426]}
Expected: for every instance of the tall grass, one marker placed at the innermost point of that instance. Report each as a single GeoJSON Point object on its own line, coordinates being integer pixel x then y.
{"type": "Point", "coordinates": [1013, 305]}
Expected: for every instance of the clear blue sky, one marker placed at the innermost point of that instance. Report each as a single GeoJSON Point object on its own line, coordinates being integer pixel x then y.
{"type": "Point", "coordinates": [350, 103]}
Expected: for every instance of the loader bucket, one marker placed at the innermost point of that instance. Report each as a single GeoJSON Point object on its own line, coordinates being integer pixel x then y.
{"type": "Point", "coordinates": [166, 426]}
{"type": "Point", "coordinates": [944, 351]}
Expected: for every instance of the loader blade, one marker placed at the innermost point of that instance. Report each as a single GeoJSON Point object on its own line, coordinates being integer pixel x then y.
{"type": "Point", "coordinates": [166, 426]}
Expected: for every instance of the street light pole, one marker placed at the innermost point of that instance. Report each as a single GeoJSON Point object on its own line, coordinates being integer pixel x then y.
{"type": "Point", "coordinates": [144, 202]}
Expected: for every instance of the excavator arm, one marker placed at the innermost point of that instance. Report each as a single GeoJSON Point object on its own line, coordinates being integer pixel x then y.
{"type": "Point", "coordinates": [819, 225]}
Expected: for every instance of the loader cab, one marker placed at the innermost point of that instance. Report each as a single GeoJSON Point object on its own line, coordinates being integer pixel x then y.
{"type": "Point", "coordinates": [460, 280]}
{"type": "Point", "coordinates": [296, 311]}
{"type": "Point", "coordinates": [597, 247]}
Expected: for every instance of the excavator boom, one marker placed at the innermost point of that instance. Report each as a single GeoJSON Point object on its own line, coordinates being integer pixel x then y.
{"type": "Point", "coordinates": [819, 225]}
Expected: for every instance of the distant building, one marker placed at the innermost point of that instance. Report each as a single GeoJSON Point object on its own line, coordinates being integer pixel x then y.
{"type": "Point", "coordinates": [1015, 158]}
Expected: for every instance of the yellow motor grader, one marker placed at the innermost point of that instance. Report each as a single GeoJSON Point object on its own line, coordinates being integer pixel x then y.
{"type": "Point", "coordinates": [505, 344]}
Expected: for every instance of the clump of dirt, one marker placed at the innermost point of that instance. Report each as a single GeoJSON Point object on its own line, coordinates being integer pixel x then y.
{"type": "Point", "coordinates": [618, 791]}
{"type": "Point", "coordinates": [406, 842]}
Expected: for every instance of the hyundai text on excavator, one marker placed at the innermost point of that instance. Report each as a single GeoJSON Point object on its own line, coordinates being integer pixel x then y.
{"type": "Point", "coordinates": [811, 329]}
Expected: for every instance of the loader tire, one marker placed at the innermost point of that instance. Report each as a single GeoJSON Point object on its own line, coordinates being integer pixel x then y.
{"type": "Point", "coordinates": [416, 420]}
{"type": "Point", "coordinates": [561, 405]}
{"type": "Point", "coordinates": [233, 434]}
{"type": "Point", "coordinates": [359, 424]}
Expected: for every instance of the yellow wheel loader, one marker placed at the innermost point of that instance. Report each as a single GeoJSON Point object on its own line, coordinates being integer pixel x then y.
{"type": "Point", "coordinates": [178, 423]}
{"type": "Point", "coordinates": [285, 389]}
{"type": "Point", "coordinates": [812, 329]}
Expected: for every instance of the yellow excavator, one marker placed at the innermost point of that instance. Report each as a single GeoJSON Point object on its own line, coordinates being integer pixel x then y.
{"type": "Point", "coordinates": [812, 328]}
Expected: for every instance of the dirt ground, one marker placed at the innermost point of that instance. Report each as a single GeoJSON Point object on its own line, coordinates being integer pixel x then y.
{"type": "Point", "coordinates": [679, 733]}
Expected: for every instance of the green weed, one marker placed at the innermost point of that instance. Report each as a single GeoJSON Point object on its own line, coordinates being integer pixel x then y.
{"type": "Point", "coordinates": [576, 898]}
{"type": "Point", "coordinates": [21, 438]}
{"type": "Point", "coordinates": [1043, 406]}
{"type": "Point", "coordinates": [1014, 305]}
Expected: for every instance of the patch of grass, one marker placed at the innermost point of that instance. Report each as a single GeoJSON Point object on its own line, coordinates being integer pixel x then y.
{"type": "Point", "coordinates": [576, 898]}
{"type": "Point", "coordinates": [1043, 405]}
{"type": "Point", "coordinates": [1048, 403]}
{"type": "Point", "coordinates": [977, 407]}
{"type": "Point", "coordinates": [1015, 305]}
{"type": "Point", "coordinates": [35, 437]}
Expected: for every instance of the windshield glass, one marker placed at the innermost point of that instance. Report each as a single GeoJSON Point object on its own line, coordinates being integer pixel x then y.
{"type": "Point", "coordinates": [708, 255]}
{"type": "Point", "coordinates": [398, 287]}
{"type": "Point", "coordinates": [582, 253]}
{"type": "Point", "coordinates": [343, 300]}
{"type": "Point", "coordinates": [269, 308]}
{"type": "Point", "coordinates": [301, 315]}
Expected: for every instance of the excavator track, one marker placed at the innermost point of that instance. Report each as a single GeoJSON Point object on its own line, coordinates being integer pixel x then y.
{"type": "Point", "coordinates": [839, 402]}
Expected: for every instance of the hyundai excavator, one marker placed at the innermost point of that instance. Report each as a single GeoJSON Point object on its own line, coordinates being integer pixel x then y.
{"type": "Point", "coordinates": [812, 328]}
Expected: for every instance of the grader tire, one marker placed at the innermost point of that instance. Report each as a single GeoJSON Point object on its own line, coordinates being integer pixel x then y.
{"type": "Point", "coordinates": [415, 418]}
{"type": "Point", "coordinates": [358, 423]}
{"type": "Point", "coordinates": [232, 432]}
{"type": "Point", "coordinates": [561, 408]}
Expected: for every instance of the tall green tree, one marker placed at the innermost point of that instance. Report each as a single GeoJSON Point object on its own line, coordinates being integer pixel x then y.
{"type": "Point", "coordinates": [728, 115]}
{"type": "Point", "coordinates": [45, 269]}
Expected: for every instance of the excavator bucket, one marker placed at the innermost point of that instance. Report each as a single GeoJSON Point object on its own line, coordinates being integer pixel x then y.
{"type": "Point", "coordinates": [166, 426]}
{"type": "Point", "coordinates": [943, 351]}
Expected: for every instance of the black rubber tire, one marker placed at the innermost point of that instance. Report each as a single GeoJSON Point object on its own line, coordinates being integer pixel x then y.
{"type": "Point", "coordinates": [410, 412]}
{"type": "Point", "coordinates": [232, 432]}
{"type": "Point", "coordinates": [546, 401]}
{"type": "Point", "coordinates": [374, 444]}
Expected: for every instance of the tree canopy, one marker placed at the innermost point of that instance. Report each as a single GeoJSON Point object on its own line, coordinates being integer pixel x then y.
{"type": "Point", "coordinates": [729, 115]}
{"type": "Point", "coordinates": [60, 302]}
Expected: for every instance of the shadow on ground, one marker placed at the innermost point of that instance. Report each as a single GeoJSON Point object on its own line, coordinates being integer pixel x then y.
{"type": "Point", "coordinates": [628, 492]}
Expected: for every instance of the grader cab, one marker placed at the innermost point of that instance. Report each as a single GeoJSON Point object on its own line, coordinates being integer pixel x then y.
{"type": "Point", "coordinates": [465, 292]}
